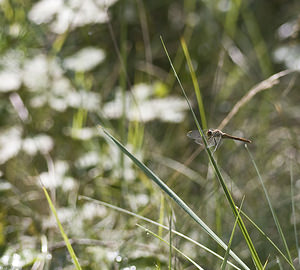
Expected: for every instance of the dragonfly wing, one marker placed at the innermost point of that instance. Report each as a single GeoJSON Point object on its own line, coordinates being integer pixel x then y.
{"type": "Point", "coordinates": [211, 142]}
{"type": "Point", "coordinates": [217, 142]}
{"type": "Point", "coordinates": [194, 134]}
{"type": "Point", "coordinates": [199, 141]}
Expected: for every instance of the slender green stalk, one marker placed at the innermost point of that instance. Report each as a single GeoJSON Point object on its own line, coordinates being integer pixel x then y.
{"type": "Point", "coordinates": [170, 240]}
{"type": "Point", "coordinates": [271, 208]}
{"type": "Point", "coordinates": [195, 83]}
{"type": "Point", "coordinates": [267, 237]}
{"type": "Point", "coordinates": [258, 42]}
{"type": "Point", "coordinates": [294, 212]}
{"type": "Point", "coordinates": [65, 237]}
{"type": "Point", "coordinates": [242, 226]}
{"type": "Point", "coordinates": [223, 266]}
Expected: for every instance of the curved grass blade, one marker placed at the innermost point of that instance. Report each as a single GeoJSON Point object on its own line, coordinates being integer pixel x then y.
{"type": "Point", "coordinates": [294, 212]}
{"type": "Point", "coordinates": [271, 208]}
{"type": "Point", "coordinates": [267, 237]}
{"type": "Point", "coordinates": [156, 224]}
{"type": "Point", "coordinates": [241, 224]}
{"type": "Point", "coordinates": [173, 195]}
{"type": "Point", "coordinates": [195, 83]}
{"type": "Point", "coordinates": [65, 237]}
{"type": "Point", "coordinates": [223, 266]}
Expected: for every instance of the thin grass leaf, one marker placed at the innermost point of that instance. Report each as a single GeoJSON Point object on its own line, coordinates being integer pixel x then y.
{"type": "Point", "coordinates": [232, 17]}
{"type": "Point", "coordinates": [266, 263]}
{"type": "Point", "coordinates": [257, 39]}
{"type": "Point", "coordinates": [65, 237]}
{"type": "Point", "coordinates": [170, 241]}
{"type": "Point", "coordinates": [293, 211]}
{"type": "Point", "coordinates": [271, 208]}
{"type": "Point", "coordinates": [267, 237]}
{"type": "Point", "coordinates": [242, 226]}
{"type": "Point", "coordinates": [173, 196]}
{"type": "Point", "coordinates": [223, 266]}
{"type": "Point", "coordinates": [195, 83]}
{"type": "Point", "coordinates": [173, 247]}
{"type": "Point", "coordinates": [156, 224]}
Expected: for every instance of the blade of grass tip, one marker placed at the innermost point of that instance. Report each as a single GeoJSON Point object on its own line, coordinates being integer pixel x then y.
{"type": "Point", "coordinates": [223, 266]}
{"type": "Point", "coordinates": [65, 237]}
{"type": "Point", "coordinates": [173, 247]}
{"type": "Point", "coordinates": [241, 224]}
{"type": "Point", "coordinates": [293, 210]}
{"type": "Point", "coordinates": [267, 237]}
{"type": "Point", "coordinates": [271, 207]}
{"type": "Point", "coordinates": [265, 265]}
{"type": "Point", "coordinates": [195, 83]}
{"type": "Point", "coordinates": [172, 194]}
{"type": "Point", "coordinates": [80, 197]}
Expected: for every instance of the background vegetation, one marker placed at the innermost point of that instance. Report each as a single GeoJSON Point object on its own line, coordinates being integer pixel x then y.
{"type": "Point", "coordinates": [66, 66]}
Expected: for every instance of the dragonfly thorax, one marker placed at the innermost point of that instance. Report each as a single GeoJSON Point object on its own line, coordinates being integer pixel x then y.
{"type": "Point", "coordinates": [213, 133]}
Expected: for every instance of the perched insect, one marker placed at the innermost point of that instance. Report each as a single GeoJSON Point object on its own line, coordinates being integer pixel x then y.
{"type": "Point", "coordinates": [213, 137]}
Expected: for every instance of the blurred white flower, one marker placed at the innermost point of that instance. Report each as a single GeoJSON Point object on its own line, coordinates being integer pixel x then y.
{"type": "Point", "coordinates": [11, 60]}
{"type": "Point", "coordinates": [89, 159]}
{"type": "Point", "coordinates": [288, 29]}
{"type": "Point", "coordinates": [69, 184]}
{"type": "Point", "coordinates": [289, 55]}
{"type": "Point", "coordinates": [45, 75]}
{"type": "Point", "coordinates": [43, 11]}
{"type": "Point", "coordinates": [40, 72]}
{"type": "Point", "coordinates": [56, 178]}
{"type": "Point", "coordinates": [10, 75]}
{"type": "Point", "coordinates": [15, 29]}
{"type": "Point", "coordinates": [42, 143]}
{"type": "Point", "coordinates": [9, 81]}
{"type": "Point", "coordinates": [69, 14]}
{"type": "Point", "coordinates": [85, 60]}
{"type": "Point", "coordinates": [91, 210]}
{"type": "Point", "coordinates": [10, 143]}
{"type": "Point", "coordinates": [84, 99]}
{"type": "Point", "coordinates": [82, 133]}
{"type": "Point", "coordinates": [58, 104]}
{"type": "Point", "coordinates": [141, 106]}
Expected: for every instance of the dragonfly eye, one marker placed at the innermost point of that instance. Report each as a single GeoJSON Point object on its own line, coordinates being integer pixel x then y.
{"type": "Point", "coordinates": [209, 133]}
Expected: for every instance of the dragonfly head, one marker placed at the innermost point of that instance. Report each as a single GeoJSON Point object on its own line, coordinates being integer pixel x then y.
{"type": "Point", "coordinates": [209, 133]}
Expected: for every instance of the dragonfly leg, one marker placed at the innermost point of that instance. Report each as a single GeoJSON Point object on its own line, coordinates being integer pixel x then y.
{"type": "Point", "coordinates": [216, 143]}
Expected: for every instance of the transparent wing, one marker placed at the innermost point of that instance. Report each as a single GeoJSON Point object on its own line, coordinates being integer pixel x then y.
{"type": "Point", "coordinates": [195, 135]}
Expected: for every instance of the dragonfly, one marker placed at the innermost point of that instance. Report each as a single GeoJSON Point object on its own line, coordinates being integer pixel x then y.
{"type": "Point", "coordinates": [214, 137]}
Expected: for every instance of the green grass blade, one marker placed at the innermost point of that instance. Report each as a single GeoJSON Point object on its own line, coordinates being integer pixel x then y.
{"type": "Point", "coordinates": [271, 208]}
{"type": "Point", "coordinates": [257, 39]}
{"type": "Point", "coordinates": [294, 212]}
{"type": "Point", "coordinates": [170, 240]}
{"type": "Point", "coordinates": [223, 266]}
{"type": "Point", "coordinates": [173, 247]}
{"type": "Point", "coordinates": [65, 237]}
{"type": "Point", "coordinates": [267, 237]}
{"type": "Point", "coordinates": [173, 195]}
{"type": "Point", "coordinates": [156, 224]}
{"type": "Point", "coordinates": [195, 83]}
{"type": "Point", "coordinates": [241, 224]}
